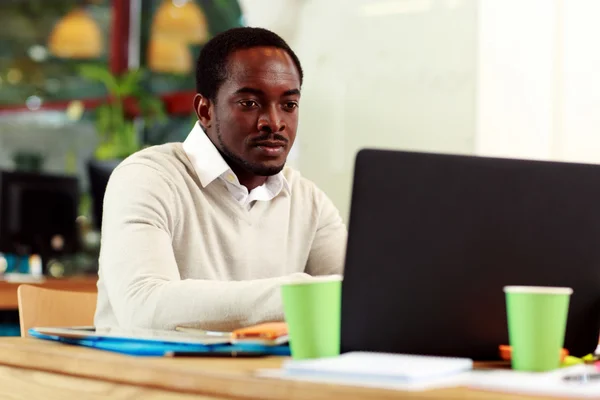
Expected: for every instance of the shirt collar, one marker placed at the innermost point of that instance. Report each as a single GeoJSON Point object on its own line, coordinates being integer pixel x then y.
{"type": "Point", "coordinates": [210, 165]}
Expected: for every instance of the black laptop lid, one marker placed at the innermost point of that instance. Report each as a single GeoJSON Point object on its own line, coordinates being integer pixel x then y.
{"type": "Point", "coordinates": [434, 238]}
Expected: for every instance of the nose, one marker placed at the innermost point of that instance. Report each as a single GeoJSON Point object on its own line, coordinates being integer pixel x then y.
{"type": "Point", "coordinates": [271, 121]}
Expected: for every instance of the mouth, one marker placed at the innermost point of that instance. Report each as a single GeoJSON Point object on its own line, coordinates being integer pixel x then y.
{"type": "Point", "coordinates": [271, 148]}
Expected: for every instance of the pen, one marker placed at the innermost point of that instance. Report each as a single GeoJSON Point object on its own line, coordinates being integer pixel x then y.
{"type": "Point", "coordinates": [214, 354]}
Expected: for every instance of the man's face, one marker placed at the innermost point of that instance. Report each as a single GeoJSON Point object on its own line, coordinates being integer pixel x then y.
{"type": "Point", "coordinates": [254, 118]}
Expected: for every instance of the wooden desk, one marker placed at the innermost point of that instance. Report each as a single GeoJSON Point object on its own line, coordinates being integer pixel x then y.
{"type": "Point", "coordinates": [35, 368]}
{"type": "Point", "coordinates": [8, 290]}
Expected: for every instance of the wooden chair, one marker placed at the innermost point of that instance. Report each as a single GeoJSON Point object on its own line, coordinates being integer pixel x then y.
{"type": "Point", "coordinates": [48, 307]}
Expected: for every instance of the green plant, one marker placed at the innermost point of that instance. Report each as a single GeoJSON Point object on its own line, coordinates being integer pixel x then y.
{"type": "Point", "coordinates": [117, 133]}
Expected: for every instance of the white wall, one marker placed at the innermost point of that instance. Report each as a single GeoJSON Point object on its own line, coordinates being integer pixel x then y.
{"type": "Point", "coordinates": [538, 88]}
{"type": "Point", "coordinates": [580, 130]}
{"type": "Point", "coordinates": [516, 69]}
{"type": "Point", "coordinates": [389, 74]}
{"type": "Point", "coordinates": [509, 78]}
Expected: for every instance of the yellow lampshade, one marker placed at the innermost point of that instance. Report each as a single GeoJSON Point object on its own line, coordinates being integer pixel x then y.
{"type": "Point", "coordinates": [76, 35]}
{"type": "Point", "coordinates": [168, 55]}
{"type": "Point", "coordinates": [181, 20]}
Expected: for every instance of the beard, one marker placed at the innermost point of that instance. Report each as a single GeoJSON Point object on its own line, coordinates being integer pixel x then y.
{"type": "Point", "coordinates": [232, 158]}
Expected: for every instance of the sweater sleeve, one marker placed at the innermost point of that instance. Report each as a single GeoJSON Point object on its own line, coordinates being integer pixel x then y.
{"type": "Point", "coordinates": [140, 273]}
{"type": "Point", "coordinates": [328, 250]}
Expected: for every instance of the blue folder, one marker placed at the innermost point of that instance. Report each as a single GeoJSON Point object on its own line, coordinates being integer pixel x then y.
{"type": "Point", "coordinates": [156, 347]}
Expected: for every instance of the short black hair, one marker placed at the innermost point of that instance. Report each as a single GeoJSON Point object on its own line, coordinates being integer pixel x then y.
{"type": "Point", "coordinates": [211, 67]}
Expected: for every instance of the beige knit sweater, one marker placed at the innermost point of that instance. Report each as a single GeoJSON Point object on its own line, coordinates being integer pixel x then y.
{"type": "Point", "coordinates": [176, 254]}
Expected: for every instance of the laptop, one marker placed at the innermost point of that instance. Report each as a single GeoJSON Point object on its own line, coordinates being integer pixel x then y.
{"type": "Point", "coordinates": [434, 238]}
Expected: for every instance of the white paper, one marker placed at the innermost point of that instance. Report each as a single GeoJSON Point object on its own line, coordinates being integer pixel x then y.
{"type": "Point", "coordinates": [381, 366]}
{"type": "Point", "coordinates": [390, 373]}
{"type": "Point", "coordinates": [437, 383]}
{"type": "Point", "coordinates": [377, 370]}
{"type": "Point", "coordinates": [535, 383]}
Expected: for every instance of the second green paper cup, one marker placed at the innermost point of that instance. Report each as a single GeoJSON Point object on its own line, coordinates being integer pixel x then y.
{"type": "Point", "coordinates": [312, 312]}
{"type": "Point", "coordinates": [537, 321]}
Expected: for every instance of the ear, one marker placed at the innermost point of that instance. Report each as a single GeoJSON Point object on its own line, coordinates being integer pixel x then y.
{"type": "Point", "coordinates": [204, 110]}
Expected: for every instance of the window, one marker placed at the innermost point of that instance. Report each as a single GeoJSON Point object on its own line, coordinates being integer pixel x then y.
{"type": "Point", "coordinates": [172, 35]}
{"type": "Point", "coordinates": [41, 44]}
{"type": "Point", "coordinates": [39, 61]}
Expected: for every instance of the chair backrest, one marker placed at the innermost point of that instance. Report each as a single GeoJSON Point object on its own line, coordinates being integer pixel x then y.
{"type": "Point", "coordinates": [49, 307]}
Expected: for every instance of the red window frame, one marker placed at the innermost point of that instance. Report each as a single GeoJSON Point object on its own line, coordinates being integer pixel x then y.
{"type": "Point", "coordinates": [175, 102]}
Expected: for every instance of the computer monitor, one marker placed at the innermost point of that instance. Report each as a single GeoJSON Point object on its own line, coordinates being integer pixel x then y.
{"type": "Point", "coordinates": [99, 173]}
{"type": "Point", "coordinates": [38, 214]}
{"type": "Point", "coordinates": [434, 238]}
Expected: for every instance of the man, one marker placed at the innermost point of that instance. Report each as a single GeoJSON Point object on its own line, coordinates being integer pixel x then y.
{"type": "Point", "coordinates": [203, 233]}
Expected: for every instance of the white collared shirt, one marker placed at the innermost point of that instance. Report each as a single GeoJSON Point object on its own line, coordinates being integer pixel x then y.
{"type": "Point", "coordinates": [210, 165]}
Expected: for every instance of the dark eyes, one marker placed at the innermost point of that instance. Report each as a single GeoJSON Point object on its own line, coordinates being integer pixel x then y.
{"type": "Point", "coordinates": [249, 104]}
{"type": "Point", "coordinates": [290, 105]}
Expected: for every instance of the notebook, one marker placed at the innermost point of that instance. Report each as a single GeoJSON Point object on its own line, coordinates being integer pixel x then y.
{"type": "Point", "coordinates": [147, 342]}
{"type": "Point", "coordinates": [380, 366]}
{"type": "Point", "coordinates": [377, 370]}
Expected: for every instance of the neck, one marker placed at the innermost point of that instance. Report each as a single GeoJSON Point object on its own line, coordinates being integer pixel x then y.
{"type": "Point", "coordinates": [245, 177]}
{"type": "Point", "coordinates": [248, 179]}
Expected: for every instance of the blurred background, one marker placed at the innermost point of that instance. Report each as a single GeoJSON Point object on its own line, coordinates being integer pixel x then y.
{"type": "Point", "coordinates": [84, 83]}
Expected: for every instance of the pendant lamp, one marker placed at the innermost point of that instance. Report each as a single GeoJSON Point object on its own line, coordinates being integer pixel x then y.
{"type": "Point", "coordinates": [168, 55]}
{"type": "Point", "coordinates": [181, 20]}
{"type": "Point", "coordinates": [76, 36]}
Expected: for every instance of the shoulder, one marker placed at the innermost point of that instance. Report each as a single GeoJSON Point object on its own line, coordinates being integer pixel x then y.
{"type": "Point", "coordinates": [298, 184]}
{"type": "Point", "coordinates": [153, 169]}
{"type": "Point", "coordinates": [167, 162]}
{"type": "Point", "coordinates": [309, 199]}
{"type": "Point", "coordinates": [304, 189]}
{"type": "Point", "coordinates": [142, 188]}
{"type": "Point", "coordinates": [167, 158]}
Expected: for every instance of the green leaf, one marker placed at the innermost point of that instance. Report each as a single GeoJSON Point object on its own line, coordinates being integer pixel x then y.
{"type": "Point", "coordinates": [152, 109]}
{"type": "Point", "coordinates": [129, 83]}
{"type": "Point", "coordinates": [119, 136]}
{"type": "Point", "coordinates": [100, 74]}
{"type": "Point", "coordinates": [105, 151]}
{"type": "Point", "coordinates": [128, 142]}
{"type": "Point", "coordinates": [105, 120]}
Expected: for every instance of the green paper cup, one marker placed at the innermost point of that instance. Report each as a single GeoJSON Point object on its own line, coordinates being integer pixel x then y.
{"type": "Point", "coordinates": [312, 312]}
{"type": "Point", "coordinates": [537, 321]}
